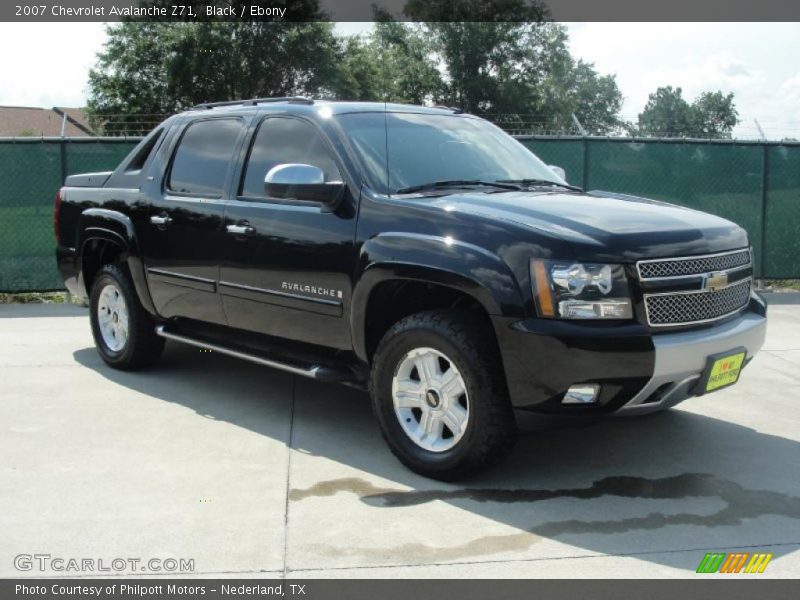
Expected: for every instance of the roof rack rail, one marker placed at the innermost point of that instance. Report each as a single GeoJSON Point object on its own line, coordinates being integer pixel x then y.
{"type": "Point", "coordinates": [455, 109]}
{"type": "Point", "coordinates": [253, 102]}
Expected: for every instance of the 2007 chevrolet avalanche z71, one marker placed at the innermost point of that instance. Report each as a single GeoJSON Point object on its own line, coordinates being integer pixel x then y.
{"type": "Point", "coordinates": [417, 252]}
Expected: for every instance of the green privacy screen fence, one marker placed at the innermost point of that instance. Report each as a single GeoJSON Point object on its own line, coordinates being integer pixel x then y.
{"type": "Point", "coordinates": [31, 171]}
{"type": "Point", "coordinates": [754, 184]}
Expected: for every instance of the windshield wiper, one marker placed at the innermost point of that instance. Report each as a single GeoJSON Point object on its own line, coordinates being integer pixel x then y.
{"type": "Point", "coordinates": [534, 182]}
{"type": "Point", "coordinates": [505, 185]}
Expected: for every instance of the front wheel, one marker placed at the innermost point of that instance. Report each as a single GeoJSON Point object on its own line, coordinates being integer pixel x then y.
{"type": "Point", "coordinates": [439, 395]}
{"type": "Point", "coordinates": [124, 332]}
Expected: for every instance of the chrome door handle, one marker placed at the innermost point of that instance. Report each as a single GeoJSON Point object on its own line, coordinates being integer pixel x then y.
{"type": "Point", "coordinates": [240, 229]}
{"type": "Point", "coordinates": [160, 220]}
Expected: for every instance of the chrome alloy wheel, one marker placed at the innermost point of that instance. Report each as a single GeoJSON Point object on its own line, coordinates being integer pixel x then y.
{"type": "Point", "coordinates": [112, 317]}
{"type": "Point", "coordinates": [430, 399]}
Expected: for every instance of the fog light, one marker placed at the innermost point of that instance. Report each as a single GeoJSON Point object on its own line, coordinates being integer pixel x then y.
{"type": "Point", "coordinates": [581, 394]}
{"type": "Point", "coordinates": [596, 309]}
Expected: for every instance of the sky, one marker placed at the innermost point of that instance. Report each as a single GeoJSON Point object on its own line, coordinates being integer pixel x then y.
{"type": "Point", "coordinates": [755, 61]}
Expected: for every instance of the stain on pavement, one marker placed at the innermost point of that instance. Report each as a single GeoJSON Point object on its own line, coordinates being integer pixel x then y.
{"type": "Point", "coordinates": [740, 503]}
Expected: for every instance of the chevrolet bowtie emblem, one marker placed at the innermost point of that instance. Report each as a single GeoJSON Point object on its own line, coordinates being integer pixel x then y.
{"type": "Point", "coordinates": [715, 281]}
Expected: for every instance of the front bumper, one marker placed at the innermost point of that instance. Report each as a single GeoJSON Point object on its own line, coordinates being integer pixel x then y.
{"type": "Point", "coordinates": [681, 357]}
{"type": "Point", "coordinates": [639, 371]}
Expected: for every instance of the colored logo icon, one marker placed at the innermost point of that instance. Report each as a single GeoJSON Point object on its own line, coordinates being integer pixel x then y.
{"type": "Point", "coordinates": [734, 562]}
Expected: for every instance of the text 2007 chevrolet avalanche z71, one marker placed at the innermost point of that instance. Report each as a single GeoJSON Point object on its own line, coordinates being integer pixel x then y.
{"type": "Point", "coordinates": [418, 252]}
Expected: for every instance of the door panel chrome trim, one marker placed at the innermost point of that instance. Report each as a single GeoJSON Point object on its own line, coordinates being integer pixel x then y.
{"type": "Point", "coordinates": [183, 280]}
{"type": "Point", "coordinates": [323, 306]}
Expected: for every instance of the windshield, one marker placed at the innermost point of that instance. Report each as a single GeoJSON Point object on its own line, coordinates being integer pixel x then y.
{"type": "Point", "coordinates": [404, 150]}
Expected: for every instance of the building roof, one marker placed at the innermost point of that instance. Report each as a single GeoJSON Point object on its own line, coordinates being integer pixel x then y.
{"type": "Point", "coordinates": [35, 122]}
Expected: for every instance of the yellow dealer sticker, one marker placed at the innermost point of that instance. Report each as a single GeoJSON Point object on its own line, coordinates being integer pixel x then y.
{"type": "Point", "coordinates": [725, 371]}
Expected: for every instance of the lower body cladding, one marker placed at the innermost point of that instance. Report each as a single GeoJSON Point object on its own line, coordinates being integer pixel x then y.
{"type": "Point", "coordinates": [591, 368]}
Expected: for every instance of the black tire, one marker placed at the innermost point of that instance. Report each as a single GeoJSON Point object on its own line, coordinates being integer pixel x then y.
{"type": "Point", "coordinates": [142, 347]}
{"type": "Point", "coordinates": [470, 345]}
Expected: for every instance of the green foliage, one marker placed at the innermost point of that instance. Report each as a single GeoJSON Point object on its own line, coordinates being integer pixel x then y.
{"type": "Point", "coordinates": [503, 57]}
{"type": "Point", "coordinates": [712, 114]}
{"type": "Point", "coordinates": [595, 99]}
{"type": "Point", "coordinates": [491, 67]}
{"type": "Point", "coordinates": [359, 74]}
{"type": "Point", "coordinates": [499, 11]}
{"type": "Point", "coordinates": [512, 63]}
{"type": "Point", "coordinates": [407, 66]}
{"type": "Point", "coordinates": [522, 69]}
{"type": "Point", "coordinates": [499, 58]}
{"type": "Point", "coordinates": [37, 298]}
{"type": "Point", "coordinates": [153, 68]}
{"type": "Point", "coordinates": [392, 64]}
{"type": "Point", "coordinates": [666, 113]}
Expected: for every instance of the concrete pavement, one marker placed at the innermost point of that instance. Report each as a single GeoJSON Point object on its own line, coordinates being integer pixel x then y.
{"type": "Point", "coordinates": [254, 473]}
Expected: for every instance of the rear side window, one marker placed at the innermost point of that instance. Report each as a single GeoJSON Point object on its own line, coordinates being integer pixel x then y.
{"type": "Point", "coordinates": [143, 151]}
{"type": "Point", "coordinates": [203, 157]}
{"type": "Point", "coordinates": [279, 141]}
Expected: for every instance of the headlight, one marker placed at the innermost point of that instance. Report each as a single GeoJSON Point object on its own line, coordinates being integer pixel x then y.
{"type": "Point", "coordinates": [571, 290]}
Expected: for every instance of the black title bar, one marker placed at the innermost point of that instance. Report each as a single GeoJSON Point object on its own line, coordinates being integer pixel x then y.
{"type": "Point", "coordinates": [366, 10]}
{"type": "Point", "coordinates": [715, 586]}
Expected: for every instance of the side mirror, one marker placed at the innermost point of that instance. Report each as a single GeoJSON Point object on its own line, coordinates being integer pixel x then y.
{"type": "Point", "coordinates": [302, 182]}
{"type": "Point", "coordinates": [558, 171]}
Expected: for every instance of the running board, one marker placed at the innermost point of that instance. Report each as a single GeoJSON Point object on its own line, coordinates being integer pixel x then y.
{"type": "Point", "coordinates": [320, 372]}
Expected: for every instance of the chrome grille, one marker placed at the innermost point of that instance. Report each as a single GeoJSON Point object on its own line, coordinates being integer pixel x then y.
{"type": "Point", "coordinates": [693, 265]}
{"type": "Point", "coordinates": [681, 308]}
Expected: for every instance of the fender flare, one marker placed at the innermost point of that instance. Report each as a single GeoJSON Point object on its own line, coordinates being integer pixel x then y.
{"type": "Point", "coordinates": [461, 266]}
{"type": "Point", "coordinates": [115, 227]}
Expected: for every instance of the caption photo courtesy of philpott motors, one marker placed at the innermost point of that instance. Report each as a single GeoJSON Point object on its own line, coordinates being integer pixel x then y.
{"type": "Point", "coordinates": [399, 299]}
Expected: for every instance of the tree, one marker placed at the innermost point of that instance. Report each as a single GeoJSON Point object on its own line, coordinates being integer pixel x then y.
{"type": "Point", "coordinates": [408, 69]}
{"type": "Point", "coordinates": [597, 99]}
{"type": "Point", "coordinates": [509, 65]}
{"type": "Point", "coordinates": [513, 65]}
{"type": "Point", "coordinates": [358, 76]}
{"type": "Point", "coordinates": [487, 48]}
{"type": "Point", "coordinates": [157, 68]}
{"type": "Point", "coordinates": [579, 90]}
{"type": "Point", "coordinates": [666, 114]}
{"type": "Point", "coordinates": [392, 64]}
{"type": "Point", "coordinates": [712, 114]}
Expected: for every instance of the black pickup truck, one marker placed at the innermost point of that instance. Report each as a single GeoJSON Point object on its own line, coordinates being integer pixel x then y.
{"type": "Point", "coordinates": [418, 252]}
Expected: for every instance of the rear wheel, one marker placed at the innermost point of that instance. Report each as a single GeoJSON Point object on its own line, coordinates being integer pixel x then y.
{"type": "Point", "coordinates": [439, 395]}
{"type": "Point", "coordinates": [124, 332]}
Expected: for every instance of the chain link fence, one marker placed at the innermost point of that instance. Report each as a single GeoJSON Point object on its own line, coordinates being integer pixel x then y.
{"type": "Point", "coordinates": [755, 184]}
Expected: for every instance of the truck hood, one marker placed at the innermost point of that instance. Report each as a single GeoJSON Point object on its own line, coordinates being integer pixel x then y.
{"type": "Point", "coordinates": [603, 225]}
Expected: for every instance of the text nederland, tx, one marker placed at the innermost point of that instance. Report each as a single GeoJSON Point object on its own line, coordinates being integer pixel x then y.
{"type": "Point", "coordinates": [171, 589]}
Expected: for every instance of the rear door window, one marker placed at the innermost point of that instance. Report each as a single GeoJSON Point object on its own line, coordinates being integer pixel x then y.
{"type": "Point", "coordinates": [203, 157]}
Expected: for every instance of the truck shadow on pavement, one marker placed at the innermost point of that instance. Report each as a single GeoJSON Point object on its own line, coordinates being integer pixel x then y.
{"type": "Point", "coordinates": [665, 487]}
